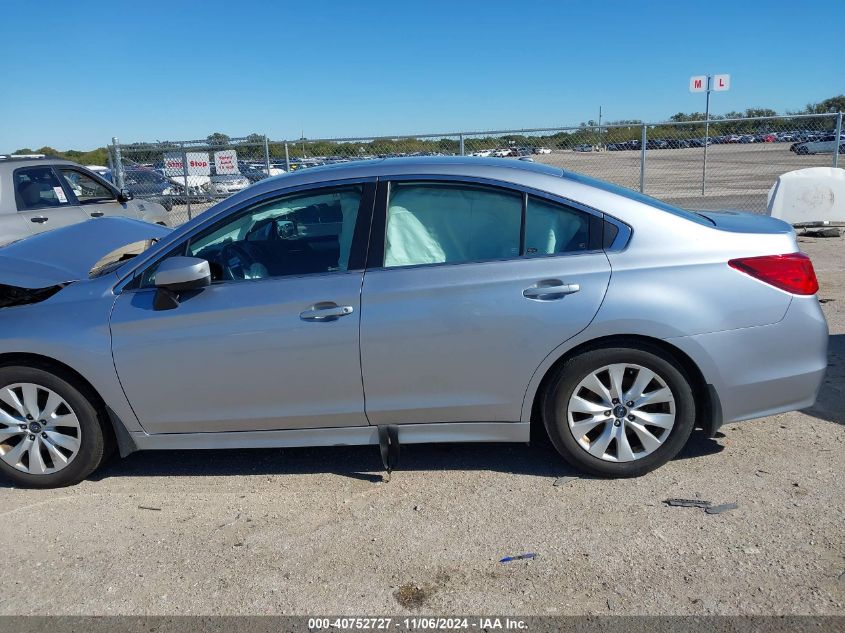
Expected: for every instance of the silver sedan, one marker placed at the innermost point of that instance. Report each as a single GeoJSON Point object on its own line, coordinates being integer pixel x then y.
{"type": "Point", "coordinates": [404, 301]}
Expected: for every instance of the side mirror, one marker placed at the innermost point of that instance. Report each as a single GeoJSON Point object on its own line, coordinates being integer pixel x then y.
{"type": "Point", "coordinates": [124, 195]}
{"type": "Point", "coordinates": [178, 274]}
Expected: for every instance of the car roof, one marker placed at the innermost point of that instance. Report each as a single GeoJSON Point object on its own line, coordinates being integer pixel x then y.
{"type": "Point", "coordinates": [506, 170]}
{"type": "Point", "coordinates": [36, 162]}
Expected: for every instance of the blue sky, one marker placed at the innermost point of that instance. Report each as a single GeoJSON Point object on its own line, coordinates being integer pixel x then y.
{"type": "Point", "coordinates": [77, 73]}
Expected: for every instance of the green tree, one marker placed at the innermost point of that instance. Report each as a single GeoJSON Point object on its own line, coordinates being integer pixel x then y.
{"type": "Point", "coordinates": [218, 139]}
{"type": "Point", "coordinates": [834, 104]}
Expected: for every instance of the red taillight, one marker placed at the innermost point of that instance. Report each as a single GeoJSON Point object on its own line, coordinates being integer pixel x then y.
{"type": "Point", "coordinates": [793, 272]}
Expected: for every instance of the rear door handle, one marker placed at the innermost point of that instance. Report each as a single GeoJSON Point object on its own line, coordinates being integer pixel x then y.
{"type": "Point", "coordinates": [549, 290]}
{"type": "Point", "coordinates": [326, 311]}
{"type": "Point", "coordinates": [39, 219]}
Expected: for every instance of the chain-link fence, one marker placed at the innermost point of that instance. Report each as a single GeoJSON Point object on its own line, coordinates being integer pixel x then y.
{"type": "Point", "coordinates": [721, 163]}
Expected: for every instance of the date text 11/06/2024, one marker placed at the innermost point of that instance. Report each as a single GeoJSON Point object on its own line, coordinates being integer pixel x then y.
{"type": "Point", "coordinates": [420, 623]}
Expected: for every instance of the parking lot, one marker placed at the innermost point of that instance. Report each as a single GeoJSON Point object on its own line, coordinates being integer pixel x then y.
{"type": "Point", "coordinates": [739, 176]}
{"type": "Point", "coordinates": [318, 531]}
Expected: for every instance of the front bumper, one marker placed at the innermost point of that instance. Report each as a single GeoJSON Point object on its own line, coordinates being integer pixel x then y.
{"type": "Point", "coordinates": [761, 371]}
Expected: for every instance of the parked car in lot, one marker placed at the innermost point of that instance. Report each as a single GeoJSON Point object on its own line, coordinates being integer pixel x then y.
{"type": "Point", "coordinates": [227, 184]}
{"type": "Point", "coordinates": [824, 145]}
{"type": "Point", "coordinates": [542, 150]}
{"type": "Point", "coordinates": [40, 194]}
{"type": "Point", "coordinates": [148, 184]}
{"type": "Point", "coordinates": [583, 147]}
{"type": "Point", "coordinates": [354, 304]}
{"type": "Point", "coordinates": [253, 174]}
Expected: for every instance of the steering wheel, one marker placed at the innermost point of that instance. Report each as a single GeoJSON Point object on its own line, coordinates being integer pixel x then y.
{"type": "Point", "coordinates": [239, 262]}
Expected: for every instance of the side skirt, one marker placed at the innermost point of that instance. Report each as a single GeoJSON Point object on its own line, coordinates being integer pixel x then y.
{"type": "Point", "coordinates": [339, 436]}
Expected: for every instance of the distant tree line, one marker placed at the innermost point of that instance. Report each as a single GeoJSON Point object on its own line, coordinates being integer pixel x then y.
{"type": "Point", "coordinates": [680, 125]}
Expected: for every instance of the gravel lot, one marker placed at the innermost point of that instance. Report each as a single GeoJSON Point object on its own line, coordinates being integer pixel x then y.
{"type": "Point", "coordinates": [738, 176]}
{"type": "Point", "coordinates": [317, 531]}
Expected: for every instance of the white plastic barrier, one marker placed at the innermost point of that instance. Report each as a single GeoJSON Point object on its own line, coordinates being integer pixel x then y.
{"type": "Point", "coordinates": [809, 196]}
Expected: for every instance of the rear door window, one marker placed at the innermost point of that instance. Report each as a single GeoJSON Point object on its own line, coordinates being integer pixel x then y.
{"type": "Point", "coordinates": [38, 188]}
{"type": "Point", "coordinates": [552, 228]}
{"type": "Point", "coordinates": [448, 223]}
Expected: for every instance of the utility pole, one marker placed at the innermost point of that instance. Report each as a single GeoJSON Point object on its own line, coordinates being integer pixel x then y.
{"type": "Point", "coordinates": [601, 144]}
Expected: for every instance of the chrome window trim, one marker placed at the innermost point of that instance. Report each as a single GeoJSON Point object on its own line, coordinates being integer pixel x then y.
{"type": "Point", "coordinates": [240, 282]}
{"type": "Point", "coordinates": [518, 258]}
{"type": "Point", "coordinates": [165, 246]}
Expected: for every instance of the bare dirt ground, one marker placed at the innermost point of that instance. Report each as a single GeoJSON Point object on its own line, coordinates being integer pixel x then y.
{"type": "Point", "coordinates": [739, 176]}
{"type": "Point", "coordinates": [316, 531]}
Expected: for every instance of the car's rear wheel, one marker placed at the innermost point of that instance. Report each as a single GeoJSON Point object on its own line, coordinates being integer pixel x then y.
{"type": "Point", "coordinates": [50, 433]}
{"type": "Point", "coordinates": [619, 412]}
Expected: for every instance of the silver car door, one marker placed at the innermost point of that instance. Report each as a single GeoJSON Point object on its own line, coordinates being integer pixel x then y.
{"type": "Point", "coordinates": [274, 343]}
{"type": "Point", "coordinates": [42, 200]}
{"type": "Point", "coordinates": [458, 341]}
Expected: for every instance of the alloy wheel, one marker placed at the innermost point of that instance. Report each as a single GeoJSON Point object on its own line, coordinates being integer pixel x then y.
{"type": "Point", "coordinates": [39, 432]}
{"type": "Point", "coordinates": [621, 412]}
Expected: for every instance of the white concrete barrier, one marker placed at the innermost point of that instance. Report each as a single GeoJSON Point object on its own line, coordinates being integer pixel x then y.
{"type": "Point", "coordinates": [809, 196]}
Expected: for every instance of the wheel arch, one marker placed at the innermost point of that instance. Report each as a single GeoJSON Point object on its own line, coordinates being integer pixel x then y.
{"type": "Point", "coordinates": [112, 425]}
{"type": "Point", "coordinates": [707, 416]}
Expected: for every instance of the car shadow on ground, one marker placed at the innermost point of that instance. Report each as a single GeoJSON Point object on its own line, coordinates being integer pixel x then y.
{"type": "Point", "coordinates": [830, 405]}
{"type": "Point", "coordinates": [362, 462]}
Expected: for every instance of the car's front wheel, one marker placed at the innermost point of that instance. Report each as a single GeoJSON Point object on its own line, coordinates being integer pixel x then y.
{"type": "Point", "coordinates": [619, 412]}
{"type": "Point", "coordinates": [50, 433]}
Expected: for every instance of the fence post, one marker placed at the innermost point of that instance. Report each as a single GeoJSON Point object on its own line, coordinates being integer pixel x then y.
{"type": "Point", "coordinates": [185, 175]}
{"type": "Point", "coordinates": [111, 164]}
{"type": "Point", "coordinates": [462, 145]}
{"type": "Point", "coordinates": [837, 135]}
{"type": "Point", "coordinates": [267, 154]}
{"type": "Point", "coordinates": [287, 158]}
{"type": "Point", "coordinates": [118, 172]}
{"type": "Point", "coordinates": [643, 143]}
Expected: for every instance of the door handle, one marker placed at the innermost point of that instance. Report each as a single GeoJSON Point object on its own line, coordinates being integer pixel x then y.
{"type": "Point", "coordinates": [39, 219]}
{"type": "Point", "coordinates": [549, 290]}
{"type": "Point", "coordinates": [97, 214]}
{"type": "Point", "coordinates": [325, 312]}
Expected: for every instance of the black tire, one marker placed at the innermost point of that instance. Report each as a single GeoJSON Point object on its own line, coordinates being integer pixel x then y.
{"type": "Point", "coordinates": [575, 369]}
{"type": "Point", "coordinates": [92, 441]}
